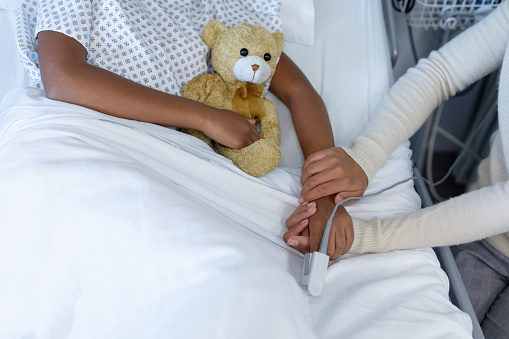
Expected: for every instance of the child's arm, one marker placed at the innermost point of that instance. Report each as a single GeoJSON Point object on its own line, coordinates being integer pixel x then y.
{"type": "Point", "coordinates": [309, 114]}
{"type": "Point", "coordinates": [68, 77]}
{"type": "Point", "coordinates": [314, 132]}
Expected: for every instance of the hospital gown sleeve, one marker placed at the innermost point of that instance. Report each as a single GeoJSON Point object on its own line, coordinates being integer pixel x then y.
{"type": "Point", "coordinates": [72, 18]}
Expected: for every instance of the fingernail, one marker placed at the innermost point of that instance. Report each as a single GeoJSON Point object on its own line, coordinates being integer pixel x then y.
{"type": "Point", "coordinates": [293, 242]}
{"type": "Point", "coordinates": [303, 221]}
{"type": "Point", "coordinates": [301, 200]}
{"type": "Point", "coordinates": [311, 204]}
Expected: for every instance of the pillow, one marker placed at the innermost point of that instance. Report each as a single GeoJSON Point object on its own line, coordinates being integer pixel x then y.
{"type": "Point", "coordinates": [298, 21]}
{"type": "Point", "coordinates": [12, 72]}
{"type": "Point", "coordinates": [9, 5]}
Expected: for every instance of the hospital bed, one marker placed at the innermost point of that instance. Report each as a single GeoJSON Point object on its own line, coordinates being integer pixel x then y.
{"type": "Point", "coordinates": [113, 228]}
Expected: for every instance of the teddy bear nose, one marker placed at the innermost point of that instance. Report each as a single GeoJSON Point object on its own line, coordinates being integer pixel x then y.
{"type": "Point", "coordinates": [255, 67]}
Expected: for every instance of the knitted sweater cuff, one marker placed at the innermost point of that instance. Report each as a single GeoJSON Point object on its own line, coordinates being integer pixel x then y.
{"type": "Point", "coordinates": [368, 154]}
{"type": "Point", "coordinates": [365, 236]}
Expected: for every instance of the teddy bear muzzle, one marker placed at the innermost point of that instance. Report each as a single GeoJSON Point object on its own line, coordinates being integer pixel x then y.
{"type": "Point", "coordinates": [252, 69]}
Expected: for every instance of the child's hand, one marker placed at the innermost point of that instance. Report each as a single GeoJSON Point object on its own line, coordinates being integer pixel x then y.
{"type": "Point", "coordinates": [231, 129]}
{"type": "Point", "coordinates": [341, 234]}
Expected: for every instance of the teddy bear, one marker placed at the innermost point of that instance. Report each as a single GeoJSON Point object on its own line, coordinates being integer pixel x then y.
{"type": "Point", "coordinates": [244, 58]}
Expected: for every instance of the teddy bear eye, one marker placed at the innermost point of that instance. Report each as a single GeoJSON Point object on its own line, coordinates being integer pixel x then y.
{"type": "Point", "coordinates": [267, 56]}
{"type": "Point", "coordinates": [244, 52]}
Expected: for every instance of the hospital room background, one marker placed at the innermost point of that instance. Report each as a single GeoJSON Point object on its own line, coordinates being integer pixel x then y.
{"type": "Point", "coordinates": [436, 146]}
{"type": "Point", "coordinates": [412, 28]}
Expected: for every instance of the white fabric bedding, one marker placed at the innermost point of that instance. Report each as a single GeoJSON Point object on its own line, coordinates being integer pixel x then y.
{"type": "Point", "coordinates": [113, 228]}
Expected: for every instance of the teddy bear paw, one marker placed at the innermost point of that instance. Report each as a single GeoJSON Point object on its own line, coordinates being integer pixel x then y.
{"type": "Point", "coordinates": [257, 159]}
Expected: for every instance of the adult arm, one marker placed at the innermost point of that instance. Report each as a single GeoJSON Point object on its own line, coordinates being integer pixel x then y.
{"type": "Point", "coordinates": [462, 61]}
{"type": "Point", "coordinates": [469, 217]}
{"type": "Point", "coordinates": [68, 77]}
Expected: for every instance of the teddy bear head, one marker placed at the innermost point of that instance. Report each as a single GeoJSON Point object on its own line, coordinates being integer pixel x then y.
{"type": "Point", "coordinates": [243, 53]}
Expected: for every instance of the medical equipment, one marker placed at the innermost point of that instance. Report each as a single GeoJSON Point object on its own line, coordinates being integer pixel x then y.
{"type": "Point", "coordinates": [403, 5]}
{"type": "Point", "coordinates": [314, 271]}
{"type": "Point", "coordinates": [449, 14]}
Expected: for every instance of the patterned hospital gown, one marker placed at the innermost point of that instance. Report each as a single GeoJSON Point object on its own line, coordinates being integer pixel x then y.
{"type": "Point", "coordinates": [156, 43]}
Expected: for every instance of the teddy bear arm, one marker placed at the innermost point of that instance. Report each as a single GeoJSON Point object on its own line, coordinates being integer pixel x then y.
{"type": "Point", "coordinates": [199, 88]}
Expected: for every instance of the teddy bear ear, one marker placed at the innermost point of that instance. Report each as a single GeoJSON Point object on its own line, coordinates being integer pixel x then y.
{"type": "Point", "coordinates": [212, 31]}
{"type": "Point", "coordinates": [280, 39]}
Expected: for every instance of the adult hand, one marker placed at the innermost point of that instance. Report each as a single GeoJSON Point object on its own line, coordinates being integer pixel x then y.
{"type": "Point", "coordinates": [332, 171]}
{"type": "Point", "coordinates": [231, 129]}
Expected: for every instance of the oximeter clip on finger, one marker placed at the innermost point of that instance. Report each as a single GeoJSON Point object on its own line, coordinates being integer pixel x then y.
{"type": "Point", "coordinates": [313, 273]}
{"type": "Point", "coordinates": [316, 263]}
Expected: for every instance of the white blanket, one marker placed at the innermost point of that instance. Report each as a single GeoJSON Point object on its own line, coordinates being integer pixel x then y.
{"type": "Point", "coordinates": [111, 228]}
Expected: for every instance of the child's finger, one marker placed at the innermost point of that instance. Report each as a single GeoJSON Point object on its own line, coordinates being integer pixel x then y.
{"type": "Point", "coordinates": [343, 242]}
{"type": "Point", "coordinates": [340, 245]}
{"type": "Point", "coordinates": [331, 244]}
{"type": "Point", "coordinates": [345, 236]}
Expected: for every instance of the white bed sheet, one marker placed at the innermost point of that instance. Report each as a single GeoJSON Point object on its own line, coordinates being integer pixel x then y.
{"type": "Point", "coordinates": [119, 229]}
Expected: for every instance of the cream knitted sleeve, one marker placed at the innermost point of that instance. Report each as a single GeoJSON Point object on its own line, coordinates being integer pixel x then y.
{"type": "Point", "coordinates": [464, 60]}
{"type": "Point", "coordinates": [471, 216]}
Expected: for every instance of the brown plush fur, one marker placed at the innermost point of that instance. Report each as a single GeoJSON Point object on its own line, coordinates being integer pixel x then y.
{"type": "Point", "coordinates": [223, 90]}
